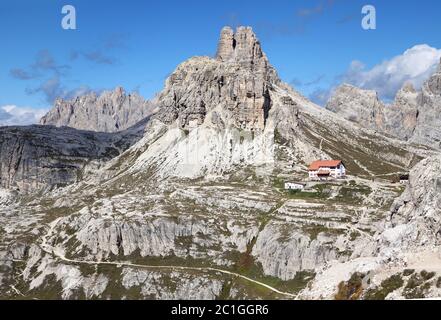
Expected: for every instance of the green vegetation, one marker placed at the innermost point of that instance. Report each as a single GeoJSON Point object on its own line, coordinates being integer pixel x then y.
{"type": "Point", "coordinates": [184, 241]}
{"type": "Point", "coordinates": [416, 287]}
{"type": "Point", "coordinates": [125, 160]}
{"type": "Point", "coordinates": [51, 289]}
{"type": "Point", "coordinates": [115, 290]}
{"type": "Point", "coordinates": [387, 286]}
{"type": "Point", "coordinates": [338, 192]}
{"type": "Point", "coordinates": [226, 290]}
{"type": "Point", "coordinates": [319, 192]}
{"type": "Point", "coordinates": [408, 272]}
{"type": "Point", "coordinates": [353, 194]}
{"type": "Point", "coordinates": [427, 275]}
{"type": "Point", "coordinates": [278, 183]}
{"type": "Point", "coordinates": [313, 230]}
{"type": "Point", "coordinates": [245, 264]}
{"type": "Point", "coordinates": [297, 194]}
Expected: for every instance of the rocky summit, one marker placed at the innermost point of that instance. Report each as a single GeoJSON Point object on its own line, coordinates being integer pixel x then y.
{"type": "Point", "coordinates": [357, 105]}
{"type": "Point", "coordinates": [412, 117]}
{"type": "Point", "coordinates": [111, 111]}
{"type": "Point", "coordinates": [189, 199]}
{"type": "Point", "coordinates": [237, 82]}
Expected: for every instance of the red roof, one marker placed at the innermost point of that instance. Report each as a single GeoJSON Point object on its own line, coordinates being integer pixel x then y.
{"type": "Point", "coordinates": [316, 165]}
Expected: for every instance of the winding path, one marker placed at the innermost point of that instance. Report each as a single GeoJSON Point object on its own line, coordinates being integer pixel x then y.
{"type": "Point", "coordinates": [53, 251]}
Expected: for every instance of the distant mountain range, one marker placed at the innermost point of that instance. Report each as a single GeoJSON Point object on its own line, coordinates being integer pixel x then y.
{"type": "Point", "coordinates": [111, 111]}
{"type": "Point", "coordinates": [413, 116]}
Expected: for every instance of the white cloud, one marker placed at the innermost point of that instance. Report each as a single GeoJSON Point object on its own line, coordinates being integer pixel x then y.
{"type": "Point", "coordinates": [11, 115]}
{"type": "Point", "coordinates": [415, 65]}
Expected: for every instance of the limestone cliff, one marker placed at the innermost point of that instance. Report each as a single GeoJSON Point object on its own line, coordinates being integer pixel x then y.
{"type": "Point", "coordinates": [111, 111]}
{"type": "Point", "coordinates": [414, 116]}
{"type": "Point", "coordinates": [237, 81]}
{"type": "Point", "coordinates": [357, 105]}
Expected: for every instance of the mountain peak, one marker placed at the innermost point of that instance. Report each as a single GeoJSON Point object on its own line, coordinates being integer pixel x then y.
{"type": "Point", "coordinates": [433, 85]}
{"type": "Point", "coordinates": [350, 91]}
{"type": "Point", "coordinates": [110, 111]}
{"type": "Point", "coordinates": [241, 46]}
{"type": "Point", "coordinates": [357, 105]}
{"type": "Point", "coordinates": [120, 91]}
{"type": "Point", "coordinates": [237, 81]}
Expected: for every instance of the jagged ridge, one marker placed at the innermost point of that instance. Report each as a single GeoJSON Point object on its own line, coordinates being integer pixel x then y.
{"type": "Point", "coordinates": [111, 111]}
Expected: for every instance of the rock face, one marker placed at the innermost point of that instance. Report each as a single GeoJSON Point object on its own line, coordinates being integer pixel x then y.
{"type": "Point", "coordinates": [402, 114]}
{"type": "Point", "coordinates": [413, 116]}
{"type": "Point", "coordinates": [416, 216]}
{"type": "Point", "coordinates": [237, 81]}
{"type": "Point", "coordinates": [226, 46]}
{"type": "Point", "coordinates": [298, 253]}
{"type": "Point", "coordinates": [37, 157]}
{"type": "Point", "coordinates": [112, 111]}
{"type": "Point", "coordinates": [241, 47]}
{"type": "Point", "coordinates": [427, 129]}
{"type": "Point", "coordinates": [359, 106]}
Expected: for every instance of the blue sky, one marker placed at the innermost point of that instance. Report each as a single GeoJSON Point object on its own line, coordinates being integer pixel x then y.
{"type": "Point", "coordinates": [313, 44]}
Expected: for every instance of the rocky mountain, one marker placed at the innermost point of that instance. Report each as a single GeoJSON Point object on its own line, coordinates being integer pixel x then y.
{"type": "Point", "coordinates": [416, 214]}
{"type": "Point", "coordinates": [111, 111]}
{"type": "Point", "coordinates": [359, 106]}
{"type": "Point", "coordinates": [233, 109]}
{"type": "Point", "coordinates": [402, 114]}
{"type": "Point", "coordinates": [427, 128]}
{"type": "Point", "coordinates": [413, 116]}
{"type": "Point", "coordinates": [237, 81]}
{"type": "Point", "coordinates": [195, 207]}
{"type": "Point", "coordinates": [43, 157]}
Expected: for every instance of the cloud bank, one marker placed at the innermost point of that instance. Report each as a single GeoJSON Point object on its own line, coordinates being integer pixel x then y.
{"type": "Point", "coordinates": [415, 65]}
{"type": "Point", "coordinates": [11, 115]}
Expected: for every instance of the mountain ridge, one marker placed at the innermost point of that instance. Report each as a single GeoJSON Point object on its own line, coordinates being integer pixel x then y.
{"type": "Point", "coordinates": [110, 111]}
{"type": "Point", "coordinates": [411, 117]}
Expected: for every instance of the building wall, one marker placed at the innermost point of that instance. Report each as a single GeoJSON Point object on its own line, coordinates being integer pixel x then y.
{"type": "Point", "coordinates": [338, 172]}
{"type": "Point", "coordinates": [294, 186]}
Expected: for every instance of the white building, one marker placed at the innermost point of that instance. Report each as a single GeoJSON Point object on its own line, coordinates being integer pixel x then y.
{"type": "Point", "coordinates": [294, 186]}
{"type": "Point", "coordinates": [327, 169]}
